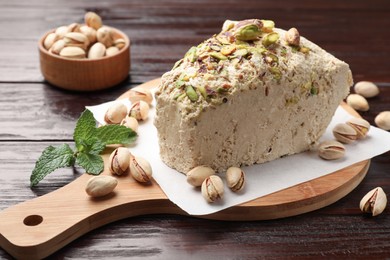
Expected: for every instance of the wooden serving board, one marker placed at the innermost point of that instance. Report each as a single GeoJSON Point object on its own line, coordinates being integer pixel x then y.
{"type": "Point", "coordinates": [39, 227]}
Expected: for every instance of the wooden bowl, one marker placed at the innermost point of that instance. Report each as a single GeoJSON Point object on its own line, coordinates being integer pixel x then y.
{"type": "Point", "coordinates": [85, 74]}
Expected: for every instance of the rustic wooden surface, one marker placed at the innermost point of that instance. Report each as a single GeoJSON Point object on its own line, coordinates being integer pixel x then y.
{"type": "Point", "coordinates": [34, 115]}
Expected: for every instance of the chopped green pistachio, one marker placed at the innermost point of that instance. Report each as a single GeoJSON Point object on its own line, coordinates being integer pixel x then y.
{"type": "Point", "coordinates": [304, 49]}
{"type": "Point", "coordinates": [215, 47]}
{"type": "Point", "coordinates": [240, 53]}
{"type": "Point", "coordinates": [202, 90]}
{"type": "Point", "coordinates": [223, 39]}
{"type": "Point", "coordinates": [218, 55]}
{"type": "Point", "coordinates": [228, 49]}
{"type": "Point", "coordinates": [177, 64]}
{"type": "Point", "coordinates": [314, 90]}
{"type": "Point", "coordinates": [181, 96]}
{"type": "Point", "coordinates": [179, 83]}
{"type": "Point", "coordinates": [276, 72]}
{"type": "Point", "coordinates": [248, 32]}
{"type": "Point", "coordinates": [191, 54]}
{"type": "Point", "coordinates": [191, 93]}
{"type": "Point", "coordinates": [270, 39]}
{"type": "Point", "coordinates": [271, 59]}
{"type": "Point", "coordinates": [268, 25]}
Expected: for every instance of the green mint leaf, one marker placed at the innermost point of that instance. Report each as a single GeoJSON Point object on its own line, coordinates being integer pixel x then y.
{"type": "Point", "coordinates": [115, 134]}
{"type": "Point", "coordinates": [92, 163]}
{"type": "Point", "coordinates": [51, 159]}
{"type": "Point", "coordinates": [92, 146]}
{"type": "Point", "coordinates": [85, 128]}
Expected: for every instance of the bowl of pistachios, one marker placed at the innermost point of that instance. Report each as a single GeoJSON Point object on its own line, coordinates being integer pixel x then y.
{"type": "Point", "coordinates": [85, 57]}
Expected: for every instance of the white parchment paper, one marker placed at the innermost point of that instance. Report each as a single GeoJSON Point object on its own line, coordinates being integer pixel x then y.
{"type": "Point", "coordinates": [261, 179]}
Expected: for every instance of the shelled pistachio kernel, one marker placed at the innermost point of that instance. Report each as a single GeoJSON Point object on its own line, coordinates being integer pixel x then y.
{"type": "Point", "coordinates": [140, 169]}
{"type": "Point", "coordinates": [115, 113]}
{"type": "Point", "coordinates": [138, 93]}
{"type": "Point", "coordinates": [331, 150]}
{"type": "Point", "coordinates": [119, 160]}
{"type": "Point", "coordinates": [212, 188]}
{"type": "Point", "coordinates": [99, 186]}
{"type": "Point", "coordinates": [358, 102]}
{"type": "Point", "coordinates": [93, 20]}
{"type": "Point", "coordinates": [235, 178]}
{"type": "Point", "coordinates": [344, 133]}
{"type": "Point", "coordinates": [360, 125]}
{"type": "Point", "coordinates": [366, 89]}
{"type": "Point", "coordinates": [130, 122]}
{"type": "Point", "coordinates": [374, 202]}
{"type": "Point", "coordinates": [197, 175]}
{"type": "Point", "coordinates": [382, 120]}
{"type": "Point", "coordinates": [139, 110]}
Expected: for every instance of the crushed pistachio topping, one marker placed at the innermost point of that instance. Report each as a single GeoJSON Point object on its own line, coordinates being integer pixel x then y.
{"type": "Point", "coordinates": [243, 51]}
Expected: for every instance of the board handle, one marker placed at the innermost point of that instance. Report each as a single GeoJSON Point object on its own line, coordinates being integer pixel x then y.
{"type": "Point", "coordinates": [37, 228]}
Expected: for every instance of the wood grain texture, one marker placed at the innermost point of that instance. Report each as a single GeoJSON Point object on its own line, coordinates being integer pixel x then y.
{"type": "Point", "coordinates": [34, 115]}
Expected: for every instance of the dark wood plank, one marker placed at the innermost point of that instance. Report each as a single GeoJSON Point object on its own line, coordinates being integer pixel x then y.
{"type": "Point", "coordinates": [161, 31]}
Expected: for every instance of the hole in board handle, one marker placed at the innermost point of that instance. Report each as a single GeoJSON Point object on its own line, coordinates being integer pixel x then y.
{"type": "Point", "coordinates": [33, 220]}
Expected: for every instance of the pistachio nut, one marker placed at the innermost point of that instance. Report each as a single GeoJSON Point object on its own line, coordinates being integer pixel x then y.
{"type": "Point", "coordinates": [191, 93]}
{"type": "Point", "coordinates": [358, 102]}
{"type": "Point", "coordinates": [119, 43]}
{"type": "Point", "coordinates": [228, 25]}
{"type": "Point", "coordinates": [382, 120]}
{"type": "Point", "coordinates": [74, 27]}
{"type": "Point", "coordinates": [102, 185]}
{"type": "Point", "coordinates": [104, 35]}
{"type": "Point", "coordinates": [248, 30]}
{"type": "Point", "coordinates": [366, 89]}
{"type": "Point", "coordinates": [212, 188]}
{"type": "Point", "coordinates": [235, 178]}
{"type": "Point", "coordinates": [360, 125]}
{"type": "Point", "coordinates": [139, 110]}
{"type": "Point", "coordinates": [270, 38]}
{"type": "Point", "coordinates": [93, 20]}
{"type": "Point", "coordinates": [115, 113]}
{"type": "Point", "coordinates": [374, 202]}
{"type": "Point", "coordinates": [57, 47]}
{"type": "Point", "coordinates": [140, 169]}
{"type": "Point", "coordinates": [97, 50]}
{"type": "Point", "coordinates": [50, 39]}
{"type": "Point", "coordinates": [344, 133]}
{"type": "Point", "coordinates": [197, 175]}
{"type": "Point", "coordinates": [61, 31]}
{"type": "Point", "coordinates": [268, 26]}
{"type": "Point", "coordinates": [130, 122]}
{"type": "Point", "coordinates": [292, 37]}
{"type": "Point", "coordinates": [111, 51]}
{"type": "Point", "coordinates": [119, 160]}
{"type": "Point", "coordinates": [331, 150]}
{"type": "Point", "coordinates": [137, 93]}
{"type": "Point", "coordinates": [76, 39]}
{"type": "Point", "coordinates": [89, 32]}
{"type": "Point", "coordinates": [228, 49]}
{"type": "Point", "coordinates": [72, 53]}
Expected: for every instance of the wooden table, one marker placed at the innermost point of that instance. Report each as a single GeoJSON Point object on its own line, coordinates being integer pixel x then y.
{"type": "Point", "coordinates": [34, 114]}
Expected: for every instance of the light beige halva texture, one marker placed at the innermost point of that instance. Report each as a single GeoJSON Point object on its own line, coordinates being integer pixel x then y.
{"type": "Point", "coordinates": [238, 100]}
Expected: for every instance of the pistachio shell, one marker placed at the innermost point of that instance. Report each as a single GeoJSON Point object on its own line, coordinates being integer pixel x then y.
{"type": "Point", "coordinates": [61, 31]}
{"type": "Point", "coordinates": [366, 89]}
{"type": "Point", "coordinates": [331, 150]}
{"type": "Point", "coordinates": [104, 35]}
{"type": "Point", "coordinates": [50, 39]}
{"type": "Point", "coordinates": [137, 93]}
{"type": "Point", "coordinates": [130, 122]}
{"type": "Point", "coordinates": [97, 50]}
{"type": "Point", "coordinates": [292, 37]}
{"type": "Point", "coordinates": [360, 125]}
{"type": "Point", "coordinates": [119, 161]}
{"type": "Point", "coordinates": [76, 39]}
{"type": "Point", "coordinates": [235, 178]}
{"type": "Point", "coordinates": [99, 186]}
{"type": "Point", "coordinates": [74, 27]}
{"type": "Point", "coordinates": [115, 113]}
{"type": "Point", "coordinates": [93, 20]}
{"type": "Point", "coordinates": [212, 188]}
{"type": "Point", "coordinates": [72, 53]}
{"type": "Point", "coordinates": [358, 102]}
{"type": "Point", "coordinates": [197, 175]}
{"type": "Point", "coordinates": [374, 201]}
{"type": "Point", "coordinates": [140, 169]}
{"type": "Point", "coordinates": [139, 110]}
{"type": "Point", "coordinates": [382, 120]}
{"type": "Point", "coordinates": [111, 51]}
{"type": "Point", "coordinates": [344, 133]}
{"type": "Point", "coordinates": [57, 47]}
{"type": "Point", "coordinates": [89, 32]}
{"type": "Point", "coordinates": [120, 43]}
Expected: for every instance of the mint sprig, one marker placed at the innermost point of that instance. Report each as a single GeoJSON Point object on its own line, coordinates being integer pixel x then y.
{"type": "Point", "coordinates": [90, 141]}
